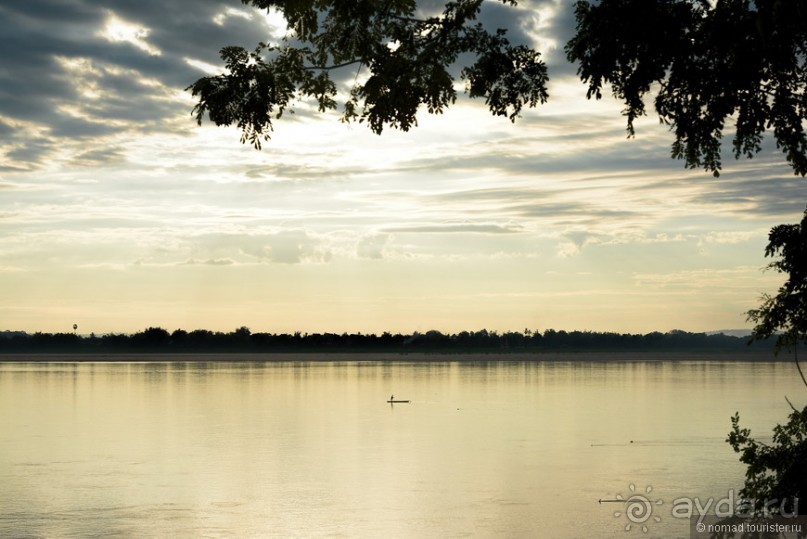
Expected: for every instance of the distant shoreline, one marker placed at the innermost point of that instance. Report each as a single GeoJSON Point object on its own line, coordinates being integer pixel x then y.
{"type": "Point", "coordinates": [415, 357]}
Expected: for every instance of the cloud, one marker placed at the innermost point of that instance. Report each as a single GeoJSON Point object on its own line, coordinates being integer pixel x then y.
{"type": "Point", "coordinates": [459, 228]}
{"type": "Point", "coordinates": [291, 246]}
{"type": "Point", "coordinates": [209, 262]}
{"type": "Point", "coordinates": [81, 69]}
{"type": "Point", "coordinates": [575, 241]}
{"type": "Point", "coordinates": [284, 170]}
{"type": "Point", "coordinates": [747, 277]}
{"type": "Point", "coordinates": [6, 129]}
{"type": "Point", "coordinates": [105, 156]}
{"type": "Point", "coordinates": [116, 30]}
{"type": "Point", "coordinates": [294, 247]}
{"type": "Point", "coordinates": [372, 246]}
{"type": "Point", "coordinates": [728, 237]}
{"type": "Point", "coordinates": [31, 151]}
{"type": "Point", "coordinates": [763, 186]}
{"type": "Point", "coordinates": [556, 31]}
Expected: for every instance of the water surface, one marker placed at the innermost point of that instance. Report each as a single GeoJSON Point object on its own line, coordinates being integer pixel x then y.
{"type": "Point", "coordinates": [305, 449]}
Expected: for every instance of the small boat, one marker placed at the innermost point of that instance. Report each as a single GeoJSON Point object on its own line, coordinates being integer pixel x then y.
{"type": "Point", "coordinates": [396, 402]}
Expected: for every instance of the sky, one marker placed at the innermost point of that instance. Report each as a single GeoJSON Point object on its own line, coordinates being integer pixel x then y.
{"type": "Point", "coordinates": [118, 212]}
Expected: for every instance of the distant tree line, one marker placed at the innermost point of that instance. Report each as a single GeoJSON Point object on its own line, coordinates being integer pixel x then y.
{"type": "Point", "coordinates": [159, 340]}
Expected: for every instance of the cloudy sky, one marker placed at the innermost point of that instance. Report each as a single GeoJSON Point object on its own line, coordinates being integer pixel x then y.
{"type": "Point", "coordinates": [118, 212]}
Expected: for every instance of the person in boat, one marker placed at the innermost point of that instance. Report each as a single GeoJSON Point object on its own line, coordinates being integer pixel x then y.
{"type": "Point", "coordinates": [391, 398]}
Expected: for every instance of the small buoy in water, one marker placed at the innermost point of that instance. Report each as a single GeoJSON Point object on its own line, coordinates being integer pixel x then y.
{"type": "Point", "coordinates": [631, 441]}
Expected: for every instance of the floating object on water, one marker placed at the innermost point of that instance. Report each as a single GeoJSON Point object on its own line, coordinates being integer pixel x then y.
{"type": "Point", "coordinates": [396, 402]}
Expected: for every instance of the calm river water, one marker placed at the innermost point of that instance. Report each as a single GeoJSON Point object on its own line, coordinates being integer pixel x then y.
{"type": "Point", "coordinates": [311, 449]}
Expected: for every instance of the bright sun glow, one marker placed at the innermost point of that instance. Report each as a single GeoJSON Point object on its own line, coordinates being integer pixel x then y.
{"type": "Point", "coordinates": [117, 30]}
{"type": "Point", "coordinates": [222, 17]}
{"type": "Point", "coordinates": [205, 67]}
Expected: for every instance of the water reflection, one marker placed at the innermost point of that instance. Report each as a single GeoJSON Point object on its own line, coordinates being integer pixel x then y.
{"type": "Point", "coordinates": [311, 448]}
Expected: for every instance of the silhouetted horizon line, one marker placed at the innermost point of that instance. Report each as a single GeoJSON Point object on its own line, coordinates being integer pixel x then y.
{"type": "Point", "coordinates": [242, 339]}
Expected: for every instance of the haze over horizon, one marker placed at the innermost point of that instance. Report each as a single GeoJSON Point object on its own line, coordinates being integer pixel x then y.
{"type": "Point", "coordinates": [117, 212]}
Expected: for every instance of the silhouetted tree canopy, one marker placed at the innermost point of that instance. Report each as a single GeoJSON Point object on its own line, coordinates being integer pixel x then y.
{"type": "Point", "coordinates": [779, 470]}
{"type": "Point", "coordinates": [155, 339]}
{"type": "Point", "coordinates": [711, 65]}
{"type": "Point", "coordinates": [776, 470]}
{"type": "Point", "coordinates": [785, 315]}
{"type": "Point", "coordinates": [405, 53]}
